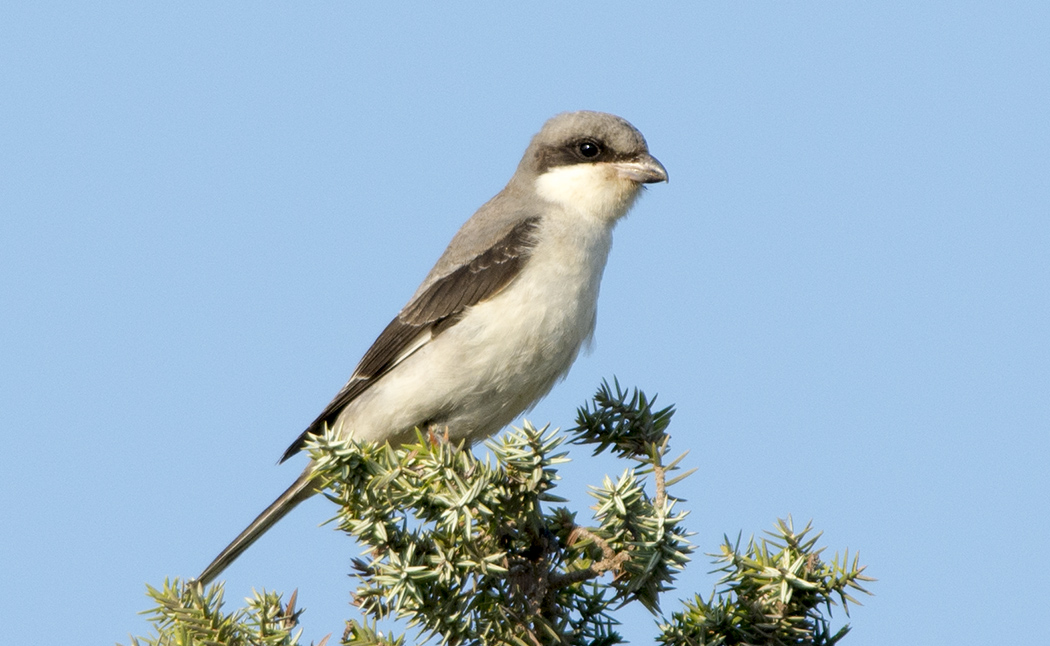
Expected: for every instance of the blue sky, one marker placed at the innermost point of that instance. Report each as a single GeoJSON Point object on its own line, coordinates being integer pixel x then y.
{"type": "Point", "coordinates": [209, 212]}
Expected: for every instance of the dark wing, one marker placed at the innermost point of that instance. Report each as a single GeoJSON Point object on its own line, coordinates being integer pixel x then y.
{"type": "Point", "coordinates": [430, 313]}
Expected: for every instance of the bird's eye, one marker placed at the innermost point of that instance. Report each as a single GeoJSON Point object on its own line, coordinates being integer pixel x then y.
{"type": "Point", "coordinates": [589, 149]}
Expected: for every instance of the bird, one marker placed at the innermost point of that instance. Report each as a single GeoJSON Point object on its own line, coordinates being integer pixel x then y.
{"type": "Point", "coordinates": [504, 312]}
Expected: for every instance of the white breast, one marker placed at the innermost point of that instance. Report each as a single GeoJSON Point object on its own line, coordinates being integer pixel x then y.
{"type": "Point", "coordinates": [508, 351]}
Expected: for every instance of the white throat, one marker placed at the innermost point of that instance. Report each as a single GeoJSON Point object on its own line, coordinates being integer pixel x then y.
{"type": "Point", "coordinates": [594, 190]}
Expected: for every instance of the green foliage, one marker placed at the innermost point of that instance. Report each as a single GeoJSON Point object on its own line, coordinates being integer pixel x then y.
{"type": "Point", "coordinates": [471, 551]}
{"type": "Point", "coordinates": [772, 593]}
{"type": "Point", "coordinates": [624, 422]}
{"type": "Point", "coordinates": [185, 615]}
{"type": "Point", "coordinates": [467, 550]}
{"type": "Point", "coordinates": [644, 532]}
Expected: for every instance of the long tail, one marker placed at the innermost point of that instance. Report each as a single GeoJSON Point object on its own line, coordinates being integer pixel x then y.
{"type": "Point", "coordinates": [300, 490]}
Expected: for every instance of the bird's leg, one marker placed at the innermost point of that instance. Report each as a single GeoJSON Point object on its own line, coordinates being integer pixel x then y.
{"type": "Point", "coordinates": [436, 435]}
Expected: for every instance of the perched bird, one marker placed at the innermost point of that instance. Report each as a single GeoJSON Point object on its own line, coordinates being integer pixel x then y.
{"type": "Point", "coordinates": [502, 315]}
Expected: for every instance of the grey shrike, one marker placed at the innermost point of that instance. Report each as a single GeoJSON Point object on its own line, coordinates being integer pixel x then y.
{"type": "Point", "coordinates": [503, 313]}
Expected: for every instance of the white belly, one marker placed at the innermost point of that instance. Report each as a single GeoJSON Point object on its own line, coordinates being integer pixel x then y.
{"type": "Point", "coordinates": [503, 355]}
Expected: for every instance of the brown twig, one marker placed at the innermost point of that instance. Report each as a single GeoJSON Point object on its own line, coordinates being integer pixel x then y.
{"type": "Point", "coordinates": [611, 560]}
{"type": "Point", "coordinates": [660, 473]}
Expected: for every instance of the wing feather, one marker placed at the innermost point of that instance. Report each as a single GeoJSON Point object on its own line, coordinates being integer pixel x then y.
{"type": "Point", "coordinates": [427, 315]}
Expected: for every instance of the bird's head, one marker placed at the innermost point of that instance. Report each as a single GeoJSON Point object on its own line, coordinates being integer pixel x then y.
{"type": "Point", "coordinates": [591, 162]}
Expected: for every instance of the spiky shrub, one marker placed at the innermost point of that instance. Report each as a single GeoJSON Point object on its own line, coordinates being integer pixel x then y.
{"type": "Point", "coordinates": [774, 592]}
{"type": "Point", "coordinates": [473, 551]}
{"type": "Point", "coordinates": [187, 616]}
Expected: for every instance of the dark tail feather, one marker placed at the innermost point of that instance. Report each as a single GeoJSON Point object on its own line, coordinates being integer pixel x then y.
{"type": "Point", "coordinates": [300, 490]}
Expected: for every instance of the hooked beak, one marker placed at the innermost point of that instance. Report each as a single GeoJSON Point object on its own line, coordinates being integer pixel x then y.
{"type": "Point", "coordinates": [645, 169]}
